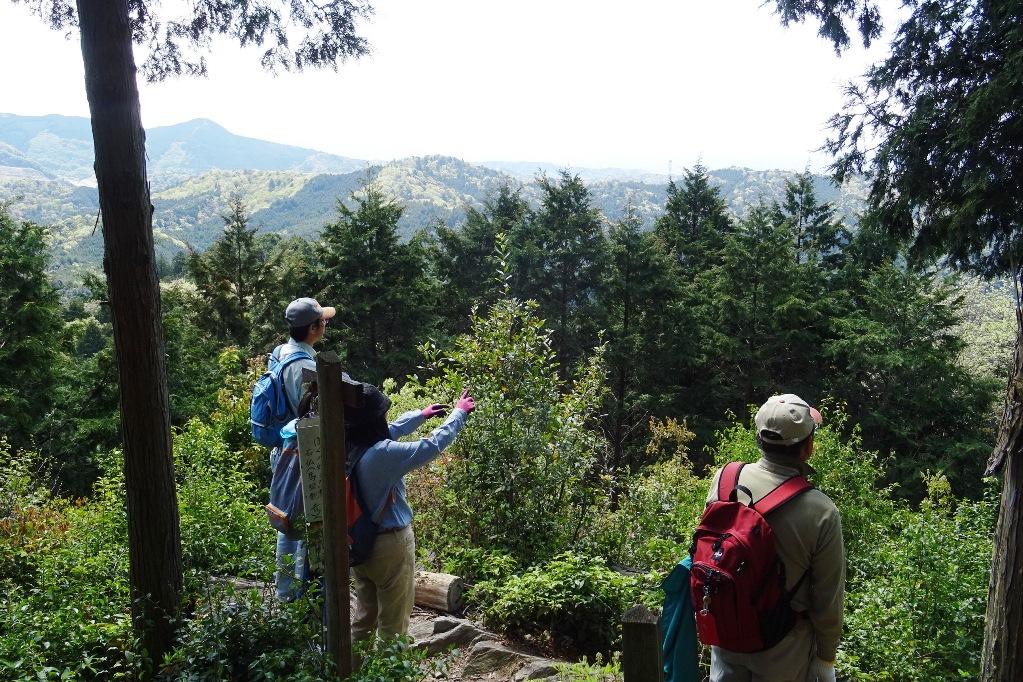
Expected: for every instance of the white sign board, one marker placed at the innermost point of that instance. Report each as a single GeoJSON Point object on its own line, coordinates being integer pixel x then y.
{"type": "Point", "coordinates": [311, 460]}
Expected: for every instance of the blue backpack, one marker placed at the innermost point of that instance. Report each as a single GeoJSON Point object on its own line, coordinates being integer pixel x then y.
{"type": "Point", "coordinates": [269, 410]}
{"type": "Point", "coordinates": [286, 503]}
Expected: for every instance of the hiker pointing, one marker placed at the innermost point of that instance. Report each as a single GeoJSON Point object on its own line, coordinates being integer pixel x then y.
{"type": "Point", "coordinates": [385, 578]}
{"type": "Point", "coordinates": [768, 574]}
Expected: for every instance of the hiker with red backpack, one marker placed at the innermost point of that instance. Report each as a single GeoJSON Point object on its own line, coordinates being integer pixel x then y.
{"type": "Point", "coordinates": [768, 562]}
{"type": "Point", "coordinates": [385, 577]}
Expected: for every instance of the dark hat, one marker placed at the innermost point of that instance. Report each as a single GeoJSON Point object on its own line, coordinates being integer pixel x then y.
{"type": "Point", "coordinates": [304, 311]}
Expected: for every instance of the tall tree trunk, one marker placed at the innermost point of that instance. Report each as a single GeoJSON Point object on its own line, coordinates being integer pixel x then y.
{"type": "Point", "coordinates": [154, 542]}
{"type": "Point", "coordinates": [1003, 626]}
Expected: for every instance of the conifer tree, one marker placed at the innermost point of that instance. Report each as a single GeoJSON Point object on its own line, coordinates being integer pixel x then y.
{"type": "Point", "coordinates": [635, 303]}
{"type": "Point", "coordinates": [695, 221]}
{"type": "Point", "coordinates": [766, 327]}
{"type": "Point", "coordinates": [558, 258]}
{"type": "Point", "coordinates": [238, 278]}
{"type": "Point", "coordinates": [467, 256]}
{"type": "Point", "coordinates": [816, 231]}
{"type": "Point", "coordinates": [29, 329]}
{"type": "Point", "coordinates": [384, 294]}
{"type": "Point", "coordinates": [900, 376]}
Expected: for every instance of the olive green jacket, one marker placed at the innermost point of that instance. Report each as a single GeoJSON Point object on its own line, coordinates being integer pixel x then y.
{"type": "Point", "coordinates": [808, 535]}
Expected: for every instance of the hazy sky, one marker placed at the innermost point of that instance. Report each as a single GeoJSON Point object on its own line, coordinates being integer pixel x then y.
{"type": "Point", "coordinates": [572, 82]}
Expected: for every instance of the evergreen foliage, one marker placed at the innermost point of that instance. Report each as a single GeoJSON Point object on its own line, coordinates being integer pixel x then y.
{"type": "Point", "coordinates": [903, 381]}
{"type": "Point", "coordinates": [467, 259]}
{"type": "Point", "coordinates": [694, 222]}
{"type": "Point", "coordinates": [381, 286]}
{"type": "Point", "coordinates": [558, 259]}
{"type": "Point", "coordinates": [935, 126]}
{"type": "Point", "coordinates": [238, 279]}
{"type": "Point", "coordinates": [637, 309]}
{"type": "Point", "coordinates": [29, 329]}
{"type": "Point", "coordinates": [817, 233]}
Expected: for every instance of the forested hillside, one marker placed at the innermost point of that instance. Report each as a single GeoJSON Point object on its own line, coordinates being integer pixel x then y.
{"type": "Point", "coordinates": [614, 366]}
{"type": "Point", "coordinates": [197, 167]}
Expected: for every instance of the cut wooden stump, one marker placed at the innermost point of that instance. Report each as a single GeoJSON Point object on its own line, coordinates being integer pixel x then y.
{"type": "Point", "coordinates": [440, 591]}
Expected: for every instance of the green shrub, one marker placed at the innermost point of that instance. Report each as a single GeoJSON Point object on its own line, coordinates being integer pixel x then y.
{"type": "Point", "coordinates": [922, 598]}
{"type": "Point", "coordinates": [474, 564]}
{"type": "Point", "coordinates": [520, 477]}
{"type": "Point", "coordinates": [249, 636]}
{"type": "Point", "coordinates": [222, 530]}
{"type": "Point", "coordinates": [394, 660]}
{"type": "Point", "coordinates": [65, 611]}
{"type": "Point", "coordinates": [598, 671]}
{"type": "Point", "coordinates": [653, 524]}
{"type": "Point", "coordinates": [571, 600]}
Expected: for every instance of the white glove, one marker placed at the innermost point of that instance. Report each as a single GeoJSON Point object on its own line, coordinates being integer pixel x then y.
{"type": "Point", "coordinates": [821, 671]}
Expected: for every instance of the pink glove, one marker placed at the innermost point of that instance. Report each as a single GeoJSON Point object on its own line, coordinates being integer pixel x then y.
{"type": "Point", "coordinates": [435, 410]}
{"type": "Point", "coordinates": [466, 403]}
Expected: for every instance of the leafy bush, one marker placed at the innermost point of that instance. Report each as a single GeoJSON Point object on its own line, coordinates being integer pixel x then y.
{"type": "Point", "coordinates": [922, 599]}
{"type": "Point", "coordinates": [519, 479]}
{"type": "Point", "coordinates": [252, 636]}
{"type": "Point", "coordinates": [249, 636]}
{"type": "Point", "coordinates": [394, 660]}
{"type": "Point", "coordinates": [657, 511]}
{"type": "Point", "coordinates": [65, 609]}
{"type": "Point", "coordinates": [598, 671]}
{"type": "Point", "coordinates": [66, 601]}
{"type": "Point", "coordinates": [222, 530]}
{"type": "Point", "coordinates": [572, 599]}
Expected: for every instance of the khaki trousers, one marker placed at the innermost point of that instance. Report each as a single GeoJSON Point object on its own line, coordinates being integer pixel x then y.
{"type": "Point", "coordinates": [787, 661]}
{"type": "Point", "coordinates": [385, 587]}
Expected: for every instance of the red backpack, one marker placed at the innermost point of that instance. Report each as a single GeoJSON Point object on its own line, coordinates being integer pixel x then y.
{"type": "Point", "coordinates": [738, 581]}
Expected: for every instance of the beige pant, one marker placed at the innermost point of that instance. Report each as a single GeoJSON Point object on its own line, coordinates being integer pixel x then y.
{"type": "Point", "coordinates": [787, 661]}
{"type": "Point", "coordinates": [385, 587]}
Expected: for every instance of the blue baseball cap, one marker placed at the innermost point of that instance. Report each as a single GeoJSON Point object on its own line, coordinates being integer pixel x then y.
{"type": "Point", "coordinates": [305, 311]}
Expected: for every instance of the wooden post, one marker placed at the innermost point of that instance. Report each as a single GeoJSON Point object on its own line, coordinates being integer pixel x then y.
{"type": "Point", "coordinates": [641, 646]}
{"type": "Point", "coordinates": [335, 512]}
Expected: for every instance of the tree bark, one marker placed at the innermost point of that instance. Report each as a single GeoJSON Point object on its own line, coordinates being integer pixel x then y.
{"type": "Point", "coordinates": [154, 542]}
{"type": "Point", "coordinates": [1003, 626]}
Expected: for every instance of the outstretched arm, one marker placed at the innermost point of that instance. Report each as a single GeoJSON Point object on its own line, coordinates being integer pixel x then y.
{"type": "Point", "coordinates": [404, 457]}
{"type": "Point", "coordinates": [405, 424]}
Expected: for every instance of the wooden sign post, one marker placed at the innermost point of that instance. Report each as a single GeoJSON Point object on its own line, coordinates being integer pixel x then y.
{"type": "Point", "coordinates": [641, 646]}
{"type": "Point", "coordinates": [334, 393]}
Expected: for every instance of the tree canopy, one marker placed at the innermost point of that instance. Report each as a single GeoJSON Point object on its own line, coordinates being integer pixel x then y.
{"type": "Point", "coordinates": [296, 35]}
{"type": "Point", "coordinates": [936, 126]}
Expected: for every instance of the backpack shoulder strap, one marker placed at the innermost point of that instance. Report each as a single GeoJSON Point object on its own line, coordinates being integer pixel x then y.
{"type": "Point", "coordinates": [297, 355]}
{"type": "Point", "coordinates": [788, 490]}
{"type": "Point", "coordinates": [728, 480]}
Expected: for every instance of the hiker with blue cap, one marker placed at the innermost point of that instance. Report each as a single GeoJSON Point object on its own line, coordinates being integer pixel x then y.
{"type": "Point", "coordinates": [307, 323]}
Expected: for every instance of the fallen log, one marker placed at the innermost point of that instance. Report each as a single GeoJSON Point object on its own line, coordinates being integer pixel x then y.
{"type": "Point", "coordinates": [439, 591]}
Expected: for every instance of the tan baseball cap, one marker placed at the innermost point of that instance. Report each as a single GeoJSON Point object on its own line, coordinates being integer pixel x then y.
{"type": "Point", "coordinates": [786, 420]}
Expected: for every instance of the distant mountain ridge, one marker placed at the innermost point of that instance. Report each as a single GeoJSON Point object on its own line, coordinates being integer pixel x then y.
{"type": "Point", "coordinates": [195, 167]}
{"type": "Point", "coordinates": [60, 148]}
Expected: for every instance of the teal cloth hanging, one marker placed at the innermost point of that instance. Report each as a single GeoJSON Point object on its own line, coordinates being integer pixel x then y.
{"type": "Point", "coordinates": [678, 625]}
